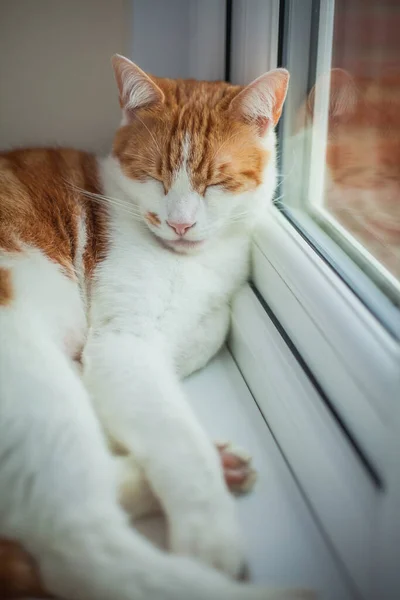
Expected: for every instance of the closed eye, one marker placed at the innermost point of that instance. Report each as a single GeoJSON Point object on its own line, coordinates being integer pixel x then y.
{"type": "Point", "coordinates": [218, 183]}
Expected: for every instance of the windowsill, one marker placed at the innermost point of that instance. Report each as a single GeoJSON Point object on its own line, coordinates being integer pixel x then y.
{"type": "Point", "coordinates": [283, 542]}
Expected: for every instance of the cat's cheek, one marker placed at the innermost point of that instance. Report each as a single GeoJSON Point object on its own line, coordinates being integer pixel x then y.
{"type": "Point", "coordinates": [217, 208]}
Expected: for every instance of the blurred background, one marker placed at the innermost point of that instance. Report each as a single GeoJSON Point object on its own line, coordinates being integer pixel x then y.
{"type": "Point", "coordinates": [57, 84]}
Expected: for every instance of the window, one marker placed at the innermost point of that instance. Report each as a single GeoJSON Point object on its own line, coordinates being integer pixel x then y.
{"type": "Point", "coordinates": [341, 133]}
{"type": "Point", "coordinates": [317, 333]}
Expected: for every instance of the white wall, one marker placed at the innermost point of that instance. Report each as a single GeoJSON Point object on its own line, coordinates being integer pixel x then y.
{"type": "Point", "coordinates": [56, 81]}
{"type": "Point", "coordinates": [180, 38]}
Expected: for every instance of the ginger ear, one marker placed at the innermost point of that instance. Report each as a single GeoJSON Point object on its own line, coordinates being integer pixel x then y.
{"type": "Point", "coordinates": [262, 100]}
{"type": "Point", "coordinates": [136, 89]}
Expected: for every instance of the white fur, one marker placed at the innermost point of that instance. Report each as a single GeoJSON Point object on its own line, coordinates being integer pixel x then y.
{"type": "Point", "coordinates": [183, 204]}
{"type": "Point", "coordinates": [154, 316]}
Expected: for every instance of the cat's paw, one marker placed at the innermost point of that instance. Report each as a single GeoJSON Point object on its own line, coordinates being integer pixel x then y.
{"type": "Point", "coordinates": [210, 533]}
{"type": "Point", "coordinates": [239, 474]}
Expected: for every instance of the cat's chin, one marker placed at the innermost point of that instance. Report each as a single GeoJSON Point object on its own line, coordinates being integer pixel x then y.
{"type": "Point", "coordinates": [184, 246]}
{"type": "Point", "coordinates": [181, 246]}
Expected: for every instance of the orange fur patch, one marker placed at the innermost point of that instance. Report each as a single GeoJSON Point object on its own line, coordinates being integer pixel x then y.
{"type": "Point", "coordinates": [153, 218]}
{"type": "Point", "coordinates": [41, 202]}
{"type": "Point", "coordinates": [223, 150]}
{"type": "Point", "coordinates": [6, 292]}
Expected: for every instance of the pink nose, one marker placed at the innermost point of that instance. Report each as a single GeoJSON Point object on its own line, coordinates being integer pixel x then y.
{"type": "Point", "coordinates": [180, 228]}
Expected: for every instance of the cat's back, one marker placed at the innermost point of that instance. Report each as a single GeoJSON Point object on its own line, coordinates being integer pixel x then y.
{"type": "Point", "coordinates": [45, 199]}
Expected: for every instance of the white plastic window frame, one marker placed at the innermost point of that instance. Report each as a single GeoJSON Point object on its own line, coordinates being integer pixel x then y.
{"type": "Point", "coordinates": [315, 174]}
{"type": "Point", "coordinates": [323, 369]}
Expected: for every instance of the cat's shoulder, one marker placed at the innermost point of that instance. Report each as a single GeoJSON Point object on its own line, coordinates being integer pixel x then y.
{"type": "Point", "coordinates": [44, 194]}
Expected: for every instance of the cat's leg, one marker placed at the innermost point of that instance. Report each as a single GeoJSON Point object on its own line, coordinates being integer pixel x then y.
{"type": "Point", "coordinates": [140, 401]}
{"type": "Point", "coordinates": [138, 499]}
{"type": "Point", "coordinates": [59, 497]}
{"type": "Point", "coordinates": [134, 492]}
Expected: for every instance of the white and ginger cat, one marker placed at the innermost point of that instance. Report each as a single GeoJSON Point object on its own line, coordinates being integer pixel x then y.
{"type": "Point", "coordinates": [127, 264]}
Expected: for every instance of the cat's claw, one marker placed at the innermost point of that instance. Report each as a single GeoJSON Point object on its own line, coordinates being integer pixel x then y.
{"type": "Point", "coordinates": [239, 474]}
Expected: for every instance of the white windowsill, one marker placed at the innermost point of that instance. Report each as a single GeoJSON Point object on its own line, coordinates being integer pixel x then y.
{"type": "Point", "coordinates": [284, 544]}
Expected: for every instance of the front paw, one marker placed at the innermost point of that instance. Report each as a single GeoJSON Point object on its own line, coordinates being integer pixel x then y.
{"type": "Point", "coordinates": [210, 534]}
{"type": "Point", "coordinates": [239, 474]}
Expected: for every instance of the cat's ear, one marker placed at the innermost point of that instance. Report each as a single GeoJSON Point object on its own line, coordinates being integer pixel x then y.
{"type": "Point", "coordinates": [262, 100]}
{"type": "Point", "coordinates": [343, 93]}
{"type": "Point", "coordinates": [136, 89]}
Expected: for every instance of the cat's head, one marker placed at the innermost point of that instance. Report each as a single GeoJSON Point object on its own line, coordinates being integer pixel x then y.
{"type": "Point", "coordinates": [193, 153]}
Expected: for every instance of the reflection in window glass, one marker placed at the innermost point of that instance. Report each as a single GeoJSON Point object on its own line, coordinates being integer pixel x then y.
{"type": "Point", "coordinates": [341, 135]}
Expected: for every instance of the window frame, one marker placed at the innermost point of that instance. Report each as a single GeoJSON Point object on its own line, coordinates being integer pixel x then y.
{"type": "Point", "coordinates": [315, 18]}
{"type": "Point", "coordinates": [349, 354]}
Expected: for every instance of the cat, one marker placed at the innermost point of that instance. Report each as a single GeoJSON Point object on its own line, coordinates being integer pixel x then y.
{"type": "Point", "coordinates": [126, 266]}
{"type": "Point", "coordinates": [362, 182]}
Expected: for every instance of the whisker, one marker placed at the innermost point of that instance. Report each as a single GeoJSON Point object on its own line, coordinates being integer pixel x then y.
{"type": "Point", "coordinates": [150, 133]}
{"type": "Point", "coordinates": [149, 158]}
{"type": "Point", "coordinates": [223, 144]}
{"type": "Point", "coordinates": [278, 198]}
{"type": "Point", "coordinates": [108, 200]}
{"type": "Point", "coordinates": [284, 176]}
{"type": "Point", "coordinates": [125, 209]}
{"type": "Point", "coordinates": [120, 202]}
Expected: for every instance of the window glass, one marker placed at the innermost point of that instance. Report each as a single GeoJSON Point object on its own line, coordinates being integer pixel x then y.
{"type": "Point", "coordinates": [340, 136]}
